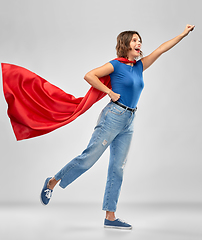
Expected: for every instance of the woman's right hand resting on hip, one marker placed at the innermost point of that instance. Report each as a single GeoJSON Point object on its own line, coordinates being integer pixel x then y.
{"type": "Point", "coordinates": [114, 96]}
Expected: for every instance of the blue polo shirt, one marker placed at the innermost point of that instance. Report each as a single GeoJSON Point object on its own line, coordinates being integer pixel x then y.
{"type": "Point", "coordinates": [127, 81]}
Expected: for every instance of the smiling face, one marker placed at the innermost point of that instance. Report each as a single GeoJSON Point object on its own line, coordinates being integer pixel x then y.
{"type": "Point", "coordinates": [128, 45]}
{"type": "Point", "coordinates": [135, 47]}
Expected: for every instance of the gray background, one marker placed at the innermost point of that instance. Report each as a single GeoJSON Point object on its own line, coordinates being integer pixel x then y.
{"type": "Point", "coordinates": [61, 41]}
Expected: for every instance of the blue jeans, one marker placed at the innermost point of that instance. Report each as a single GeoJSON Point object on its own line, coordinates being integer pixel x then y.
{"type": "Point", "coordinates": [114, 128]}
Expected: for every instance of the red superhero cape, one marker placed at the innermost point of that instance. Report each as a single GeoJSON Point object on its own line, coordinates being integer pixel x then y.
{"type": "Point", "coordinates": [37, 107]}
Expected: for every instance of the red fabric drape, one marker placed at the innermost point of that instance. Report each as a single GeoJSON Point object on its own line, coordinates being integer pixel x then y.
{"type": "Point", "coordinates": [37, 107]}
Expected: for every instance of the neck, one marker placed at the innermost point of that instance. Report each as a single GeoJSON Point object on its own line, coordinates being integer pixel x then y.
{"type": "Point", "coordinates": [130, 64]}
{"type": "Point", "coordinates": [130, 59]}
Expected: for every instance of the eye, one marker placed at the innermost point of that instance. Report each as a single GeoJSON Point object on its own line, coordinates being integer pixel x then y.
{"type": "Point", "coordinates": [136, 40]}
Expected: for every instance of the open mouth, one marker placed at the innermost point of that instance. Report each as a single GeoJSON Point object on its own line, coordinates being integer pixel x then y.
{"type": "Point", "coordinates": [137, 50]}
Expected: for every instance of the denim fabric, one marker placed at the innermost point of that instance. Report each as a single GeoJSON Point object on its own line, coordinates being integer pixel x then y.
{"type": "Point", "coordinates": [114, 128]}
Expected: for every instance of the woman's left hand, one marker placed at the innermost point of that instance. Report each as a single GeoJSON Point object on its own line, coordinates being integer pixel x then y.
{"type": "Point", "coordinates": [188, 29]}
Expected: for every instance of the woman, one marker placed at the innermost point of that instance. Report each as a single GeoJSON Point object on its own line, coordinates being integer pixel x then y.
{"type": "Point", "coordinates": [115, 124]}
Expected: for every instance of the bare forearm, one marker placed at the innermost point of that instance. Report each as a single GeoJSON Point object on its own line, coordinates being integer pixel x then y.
{"type": "Point", "coordinates": [171, 43]}
{"type": "Point", "coordinates": [96, 83]}
{"type": "Point", "coordinates": [150, 59]}
{"type": "Point", "coordinates": [93, 76]}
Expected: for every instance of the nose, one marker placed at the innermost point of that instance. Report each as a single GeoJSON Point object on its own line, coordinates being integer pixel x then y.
{"type": "Point", "coordinates": [139, 43]}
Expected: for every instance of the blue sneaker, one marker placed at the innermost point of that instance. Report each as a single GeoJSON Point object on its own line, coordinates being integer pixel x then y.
{"type": "Point", "coordinates": [118, 223]}
{"type": "Point", "coordinates": [46, 193]}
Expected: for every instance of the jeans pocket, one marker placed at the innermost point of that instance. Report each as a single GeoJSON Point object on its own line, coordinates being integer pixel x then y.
{"type": "Point", "coordinates": [118, 110]}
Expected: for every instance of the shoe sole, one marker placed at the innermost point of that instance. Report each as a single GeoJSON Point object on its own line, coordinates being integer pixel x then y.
{"type": "Point", "coordinates": [117, 227]}
{"type": "Point", "coordinates": [42, 201]}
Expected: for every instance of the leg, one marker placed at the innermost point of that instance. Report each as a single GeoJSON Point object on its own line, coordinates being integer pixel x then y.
{"type": "Point", "coordinates": [101, 138]}
{"type": "Point", "coordinates": [118, 152]}
{"type": "Point", "coordinates": [85, 161]}
{"type": "Point", "coordinates": [111, 122]}
{"type": "Point", "coordinates": [110, 216]}
{"type": "Point", "coordinates": [52, 183]}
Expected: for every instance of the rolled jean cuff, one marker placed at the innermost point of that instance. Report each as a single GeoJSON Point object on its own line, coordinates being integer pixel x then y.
{"type": "Point", "coordinates": [109, 210]}
{"type": "Point", "coordinates": [57, 178]}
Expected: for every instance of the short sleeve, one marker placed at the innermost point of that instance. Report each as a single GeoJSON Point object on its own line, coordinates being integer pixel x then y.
{"type": "Point", "coordinates": [114, 64]}
{"type": "Point", "coordinates": [139, 65]}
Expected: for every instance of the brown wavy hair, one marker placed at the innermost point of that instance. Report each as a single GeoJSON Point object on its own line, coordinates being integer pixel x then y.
{"type": "Point", "coordinates": [123, 43]}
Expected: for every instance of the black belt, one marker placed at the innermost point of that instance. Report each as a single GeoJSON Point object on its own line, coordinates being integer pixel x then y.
{"type": "Point", "coordinates": [125, 107]}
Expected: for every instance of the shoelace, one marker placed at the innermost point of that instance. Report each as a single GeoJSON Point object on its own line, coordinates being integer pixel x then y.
{"type": "Point", "coordinates": [48, 193]}
{"type": "Point", "coordinates": [120, 220]}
